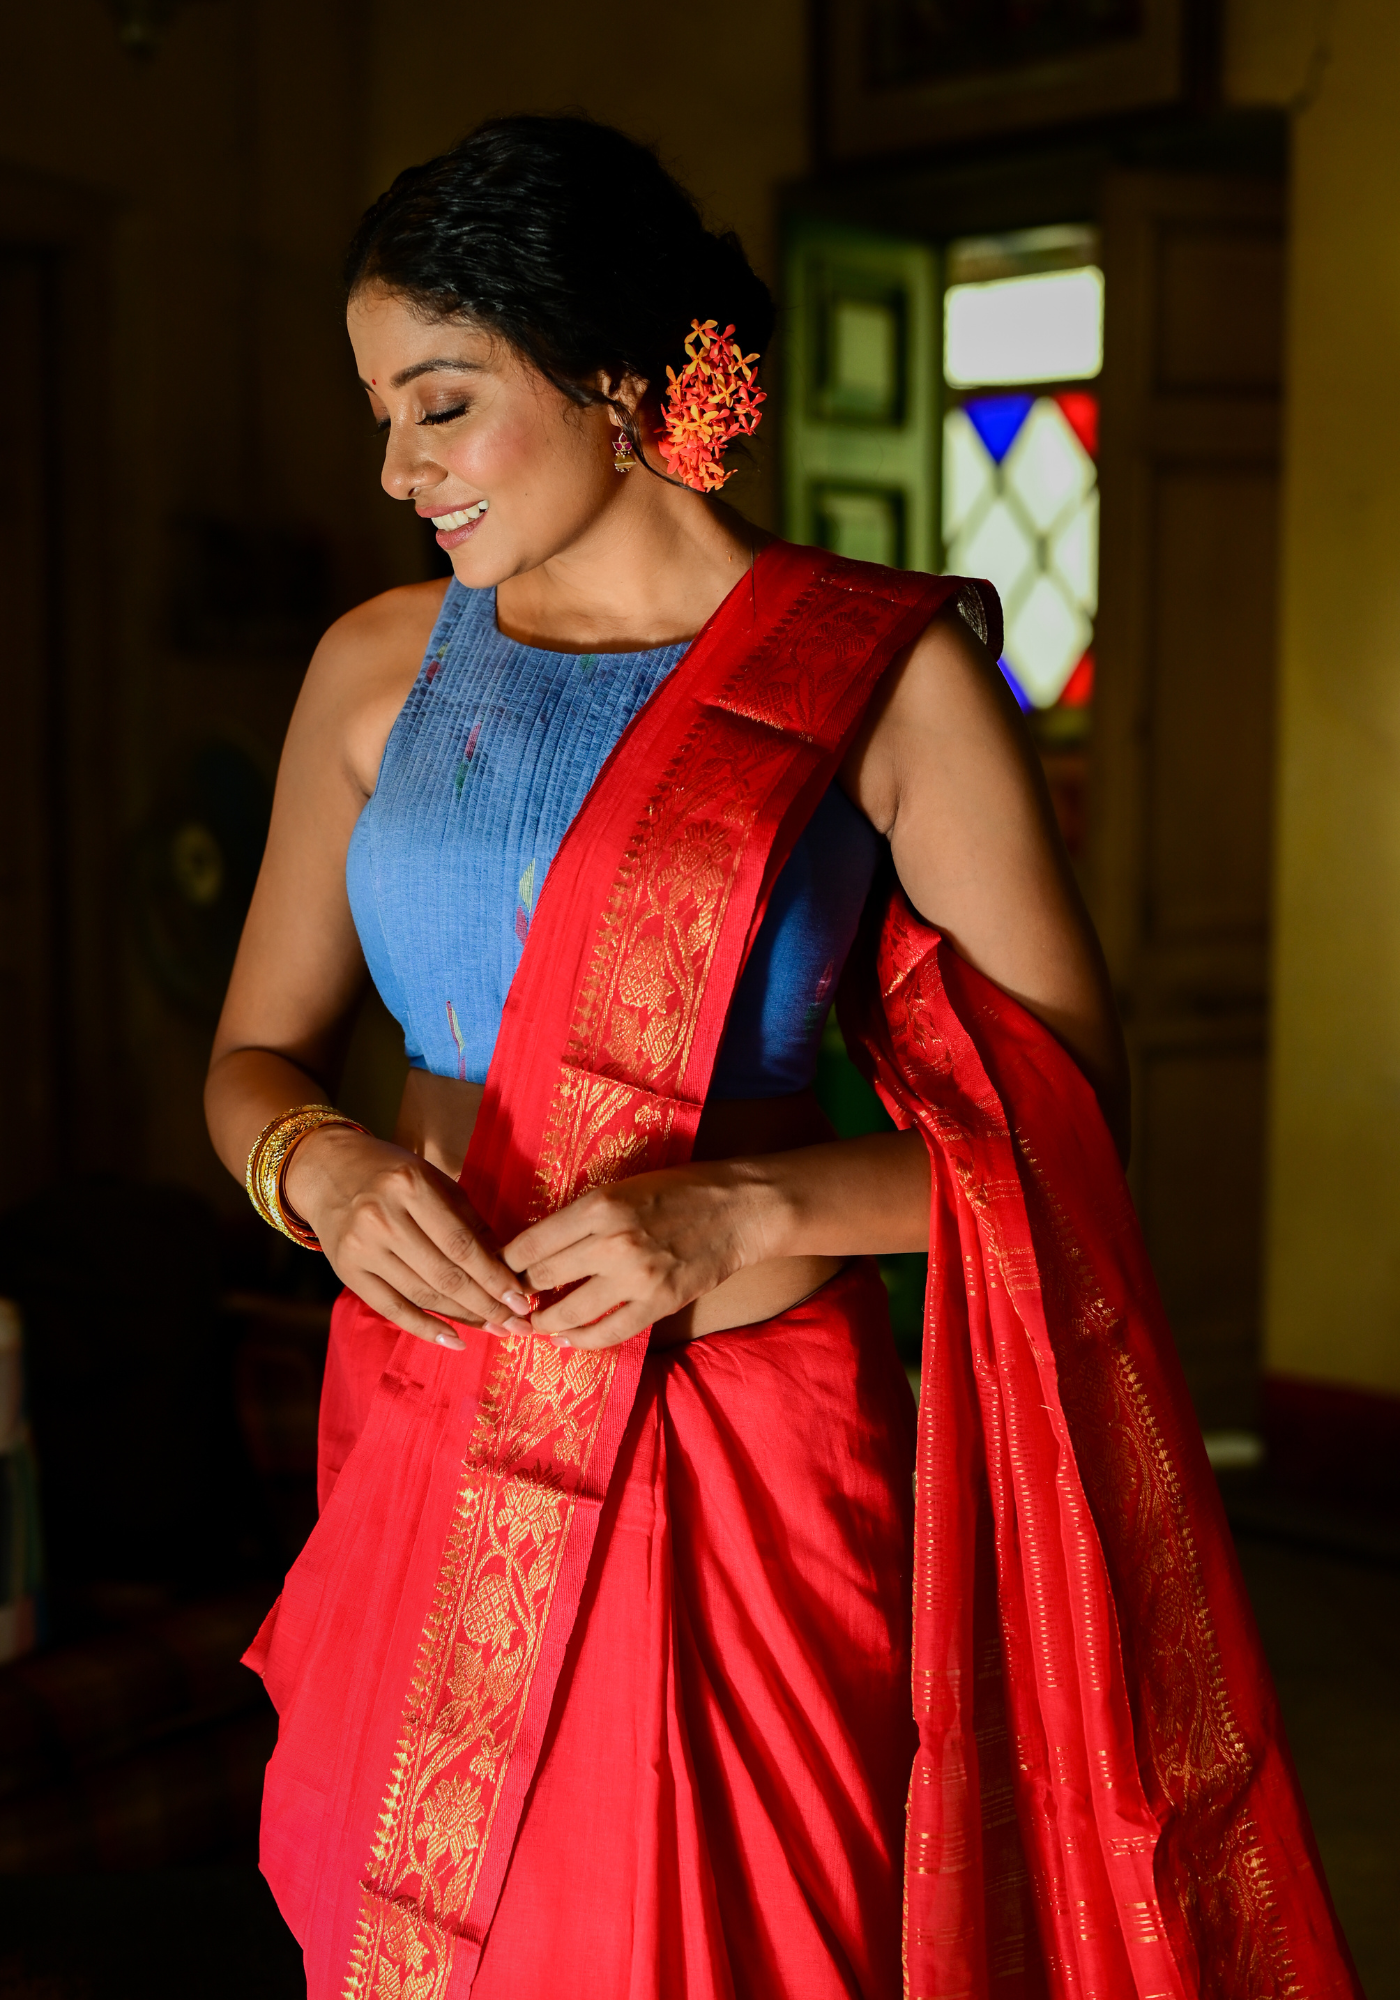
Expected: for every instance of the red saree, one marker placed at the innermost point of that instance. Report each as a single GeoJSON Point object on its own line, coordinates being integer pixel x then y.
{"type": "Point", "coordinates": [1100, 1801]}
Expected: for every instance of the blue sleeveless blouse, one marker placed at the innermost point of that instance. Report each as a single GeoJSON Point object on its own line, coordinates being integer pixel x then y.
{"type": "Point", "coordinates": [488, 761]}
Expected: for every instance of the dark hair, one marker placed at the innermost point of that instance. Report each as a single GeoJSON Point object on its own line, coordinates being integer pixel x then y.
{"type": "Point", "coordinates": [571, 241]}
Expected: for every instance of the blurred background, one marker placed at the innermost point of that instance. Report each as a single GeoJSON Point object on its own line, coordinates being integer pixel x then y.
{"type": "Point", "coordinates": [1097, 298]}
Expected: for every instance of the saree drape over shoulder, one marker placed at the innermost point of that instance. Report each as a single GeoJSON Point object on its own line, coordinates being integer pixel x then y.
{"type": "Point", "coordinates": [595, 1673]}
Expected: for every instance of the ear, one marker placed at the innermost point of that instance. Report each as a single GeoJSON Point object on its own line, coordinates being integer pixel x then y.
{"type": "Point", "coordinates": [627, 390]}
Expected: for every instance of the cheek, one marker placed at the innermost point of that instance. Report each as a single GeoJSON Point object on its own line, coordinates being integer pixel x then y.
{"type": "Point", "coordinates": [490, 451]}
{"type": "Point", "coordinates": [519, 446]}
{"type": "Point", "coordinates": [512, 445]}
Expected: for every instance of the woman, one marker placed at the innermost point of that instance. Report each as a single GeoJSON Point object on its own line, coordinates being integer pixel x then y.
{"type": "Point", "coordinates": [595, 1673]}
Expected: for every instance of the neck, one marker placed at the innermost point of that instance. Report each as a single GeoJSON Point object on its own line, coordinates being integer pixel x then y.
{"type": "Point", "coordinates": [648, 572]}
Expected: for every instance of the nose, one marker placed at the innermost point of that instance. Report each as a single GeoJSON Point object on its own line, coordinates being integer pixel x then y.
{"type": "Point", "coordinates": [408, 469]}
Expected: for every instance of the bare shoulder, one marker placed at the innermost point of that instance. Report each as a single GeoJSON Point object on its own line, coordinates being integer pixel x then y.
{"type": "Point", "coordinates": [361, 673]}
{"type": "Point", "coordinates": [943, 698]}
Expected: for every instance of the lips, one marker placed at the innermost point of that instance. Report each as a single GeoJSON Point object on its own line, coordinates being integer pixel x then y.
{"type": "Point", "coordinates": [445, 523]}
{"type": "Point", "coordinates": [453, 528]}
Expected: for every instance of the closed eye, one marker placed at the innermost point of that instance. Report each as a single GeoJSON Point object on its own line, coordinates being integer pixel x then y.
{"type": "Point", "coordinates": [444, 416]}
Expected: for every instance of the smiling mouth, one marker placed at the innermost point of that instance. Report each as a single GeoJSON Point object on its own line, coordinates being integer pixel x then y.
{"type": "Point", "coordinates": [445, 523]}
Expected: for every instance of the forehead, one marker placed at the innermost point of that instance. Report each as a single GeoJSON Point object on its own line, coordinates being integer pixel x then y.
{"type": "Point", "coordinates": [391, 335]}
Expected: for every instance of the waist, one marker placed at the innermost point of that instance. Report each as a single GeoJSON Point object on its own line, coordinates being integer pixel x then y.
{"type": "Point", "coordinates": [437, 1116]}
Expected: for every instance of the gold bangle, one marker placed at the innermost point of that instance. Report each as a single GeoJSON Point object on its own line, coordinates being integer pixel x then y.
{"type": "Point", "coordinates": [267, 1166]}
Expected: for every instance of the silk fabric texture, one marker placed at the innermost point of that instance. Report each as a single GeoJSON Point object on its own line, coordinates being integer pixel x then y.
{"type": "Point", "coordinates": [1101, 1803]}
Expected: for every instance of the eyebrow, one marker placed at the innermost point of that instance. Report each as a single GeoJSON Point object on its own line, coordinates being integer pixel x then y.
{"type": "Point", "coordinates": [442, 366]}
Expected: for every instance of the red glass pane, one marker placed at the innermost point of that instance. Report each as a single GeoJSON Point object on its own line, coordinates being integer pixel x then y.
{"type": "Point", "coordinates": [1079, 688]}
{"type": "Point", "coordinates": [1081, 413]}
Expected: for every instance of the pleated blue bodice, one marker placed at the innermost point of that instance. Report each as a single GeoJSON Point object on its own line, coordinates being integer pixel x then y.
{"type": "Point", "coordinates": [488, 761]}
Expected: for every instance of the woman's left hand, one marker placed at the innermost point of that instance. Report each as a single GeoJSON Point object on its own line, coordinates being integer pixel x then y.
{"type": "Point", "coordinates": [638, 1250]}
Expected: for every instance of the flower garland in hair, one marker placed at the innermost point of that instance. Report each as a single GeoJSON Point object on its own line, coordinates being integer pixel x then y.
{"type": "Point", "coordinates": [712, 401]}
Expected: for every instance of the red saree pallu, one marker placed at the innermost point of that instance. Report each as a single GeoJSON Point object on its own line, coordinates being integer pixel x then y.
{"type": "Point", "coordinates": [1084, 1650]}
{"type": "Point", "coordinates": [585, 1675]}
{"type": "Point", "coordinates": [415, 1651]}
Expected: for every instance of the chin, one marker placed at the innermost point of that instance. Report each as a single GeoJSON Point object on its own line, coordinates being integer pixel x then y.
{"type": "Point", "coordinates": [477, 569]}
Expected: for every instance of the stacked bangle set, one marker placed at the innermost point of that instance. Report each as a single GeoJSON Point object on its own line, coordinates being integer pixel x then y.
{"type": "Point", "coordinates": [268, 1161]}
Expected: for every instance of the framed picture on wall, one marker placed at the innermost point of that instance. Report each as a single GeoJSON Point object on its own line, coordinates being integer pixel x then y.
{"type": "Point", "coordinates": [901, 75]}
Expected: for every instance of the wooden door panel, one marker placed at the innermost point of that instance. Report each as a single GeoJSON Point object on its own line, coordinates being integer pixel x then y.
{"type": "Point", "coordinates": [1221, 310]}
{"type": "Point", "coordinates": [1210, 736]}
{"type": "Point", "coordinates": [1201, 1136]}
{"type": "Point", "coordinates": [1180, 844]}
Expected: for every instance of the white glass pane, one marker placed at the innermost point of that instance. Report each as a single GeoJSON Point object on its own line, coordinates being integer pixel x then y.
{"type": "Point", "coordinates": [998, 548]}
{"type": "Point", "coordinates": [968, 473]}
{"type": "Point", "coordinates": [1074, 554]}
{"type": "Point", "coordinates": [1045, 640]}
{"type": "Point", "coordinates": [1047, 468]}
{"type": "Point", "coordinates": [1044, 328]}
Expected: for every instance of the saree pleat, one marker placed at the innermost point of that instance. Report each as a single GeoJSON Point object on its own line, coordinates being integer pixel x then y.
{"type": "Point", "coordinates": [718, 1808]}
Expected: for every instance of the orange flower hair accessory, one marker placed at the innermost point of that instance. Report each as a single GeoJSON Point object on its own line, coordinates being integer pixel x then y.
{"type": "Point", "coordinates": [712, 401]}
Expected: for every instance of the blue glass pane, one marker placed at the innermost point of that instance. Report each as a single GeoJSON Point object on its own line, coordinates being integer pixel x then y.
{"type": "Point", "coordinates": [1015, 686]}
{"type": "Point", "coordinates": [996, 420]}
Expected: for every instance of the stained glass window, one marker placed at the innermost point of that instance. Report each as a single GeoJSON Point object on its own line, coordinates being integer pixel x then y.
{"type": "Point", "coordinates": [1044, 327]}
{"type": "Point", "coordinates": [1020, 456]}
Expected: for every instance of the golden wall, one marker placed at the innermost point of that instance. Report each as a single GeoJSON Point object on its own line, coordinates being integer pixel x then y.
{"type": "Point", "coordinates": [1333, 1283]}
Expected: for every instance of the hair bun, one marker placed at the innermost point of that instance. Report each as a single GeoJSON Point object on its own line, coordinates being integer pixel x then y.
{"type": "Point", "coordinates": [569, 239]}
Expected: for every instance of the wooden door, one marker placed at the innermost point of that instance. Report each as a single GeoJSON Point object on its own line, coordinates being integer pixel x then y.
{"type": "Point", "coordinates": [1179, 863]}
{"type": "Point", "coordinates": [862, 369]}
{"type": "Point", "coordinates": [30, 863]}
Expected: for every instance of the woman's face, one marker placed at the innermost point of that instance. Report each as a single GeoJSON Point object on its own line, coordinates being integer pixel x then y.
{"type": "Point", "coordinates": [508, 469]}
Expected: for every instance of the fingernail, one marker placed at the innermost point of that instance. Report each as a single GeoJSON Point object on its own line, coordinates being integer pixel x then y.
{"type": "Point", "coordinates": [490, 1326]}
{"type": "Point", "coordinates": [451, 1340]}
{"type": "Point", "coordinates": [518, 1326]}
{"type": "Point", "coordinates": [518, 1302]}
{"type": "Point", "coordinates": [559, 1340]}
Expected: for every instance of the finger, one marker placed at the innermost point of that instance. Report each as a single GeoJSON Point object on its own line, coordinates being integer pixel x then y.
{"type": "Point", "coordinates": [611, 1330]}
{"type": "Point", "coordinates": [581, 1307]}
{"type": "Point", "coordinates": [552, 1234]}
{"type": "Point", "coordinates": [416, 1289]}
{"type": "Point", "coordinates": [590, 1257]}
{"type": "Point", "coordinates": [464, 1242]}
{"type": "Point", "coordinates": [435, 1268]}
{"type": "Point", "coordinates": [391, 1305]}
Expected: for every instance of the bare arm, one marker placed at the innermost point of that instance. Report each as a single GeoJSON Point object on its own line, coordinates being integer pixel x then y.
{"type": "Point", "coordinates": [945, 768]}
{"type": "Point", "coordinates": [395, 1229]}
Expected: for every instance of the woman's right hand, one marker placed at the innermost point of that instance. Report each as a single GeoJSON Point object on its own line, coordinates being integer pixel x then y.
{"type": "Point", "coordinates": [402, 1236]}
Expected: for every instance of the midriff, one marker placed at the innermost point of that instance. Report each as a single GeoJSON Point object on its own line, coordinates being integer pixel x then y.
{"type": "Point", "coordinates": [437, 1114]}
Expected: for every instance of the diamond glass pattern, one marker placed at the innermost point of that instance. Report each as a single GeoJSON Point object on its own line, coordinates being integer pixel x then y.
{"type": "Point", "coordinates": [1047, 468]}
{"type": "Point", "coordinates": [969, 472]}
{"type": "Point", "coordinates": [1020, 507]}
